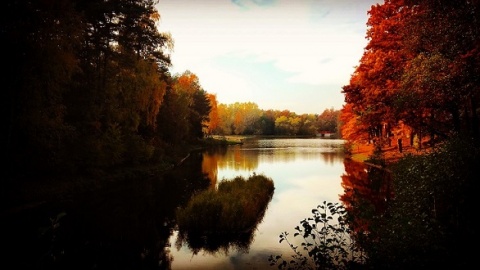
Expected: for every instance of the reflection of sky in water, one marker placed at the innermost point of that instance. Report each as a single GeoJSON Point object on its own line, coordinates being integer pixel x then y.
{"type": "Point", "coordinates": [306, 172]}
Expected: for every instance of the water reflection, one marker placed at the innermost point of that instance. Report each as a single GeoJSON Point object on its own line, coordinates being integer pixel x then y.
{"type": "Point", "coordinates": [306, 172]}
{"type": "Point", "coordinates": [126, 225]}
{"type": "Point", "coordinates": [246, 157]}
{"type": "Point", "coordinates": [224, 218]}
{"type": "Point", "coordinates": [367, 192]}
{"type": "Point", "coordinates": [331, 158]}
{"type": "Point", "coordinates": [132, 224]}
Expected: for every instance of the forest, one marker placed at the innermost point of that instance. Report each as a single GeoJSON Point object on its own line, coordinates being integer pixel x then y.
{"type": "Point", "coordinates": [418, 76]}
{"type": "Point", "coordinates": [416, 84]}
{"type": "Point", "coordinates": [88, 88]}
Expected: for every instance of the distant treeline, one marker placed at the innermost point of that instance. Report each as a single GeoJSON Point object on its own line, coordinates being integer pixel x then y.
{"type": "Point", "coordinates": [247, 119]}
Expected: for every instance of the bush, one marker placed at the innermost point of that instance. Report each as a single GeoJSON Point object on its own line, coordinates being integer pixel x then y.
{"type": "Point", "coordinates": [215, 219]}
{"type": "Point", "coordinates": [430, 221]}
{"type": "Point", "coordinates": [326, 242]}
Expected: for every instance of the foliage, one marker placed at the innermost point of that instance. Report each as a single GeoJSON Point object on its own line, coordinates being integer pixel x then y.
{"type": "Point", "coordinates": [213, 123]}
{"type": "Point", "coordinates": [429, 222]}
{"type": "Point", "coordinates": [51, 236]}
{"type": "Point", "coordinates": [88, 88]}
{"type": "Point", "coordinates": [328, 120]}
{"type": "Point", "coordinates": [326, 242]}
{"type": "Point", "coordinates": [417, 70]}
{"type": "Point", "coordinates": [247, 119]}
{"type": "Point", "coordinates": [85, 82]}
{"type": "Point", "coordinates": [228, 215]}
{"type": "Point", "coordinates": [352, 130]}
{"type": "Point", "coordinates": [415, 214]}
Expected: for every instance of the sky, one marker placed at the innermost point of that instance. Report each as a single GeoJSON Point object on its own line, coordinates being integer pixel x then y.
{"type": "Point", "coordinates": [280, 54]}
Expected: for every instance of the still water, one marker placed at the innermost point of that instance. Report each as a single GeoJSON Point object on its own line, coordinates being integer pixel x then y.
{"type": "Point", "coordinates": [305, 172]}
{"type": "Point", "coordinates": [131, 224]}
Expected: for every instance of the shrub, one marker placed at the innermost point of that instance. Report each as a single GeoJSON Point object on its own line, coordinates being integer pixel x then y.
{"type": "Point", "coordinates": [326, 242]}
{"type": "Point", "coordinates": [215, 219]}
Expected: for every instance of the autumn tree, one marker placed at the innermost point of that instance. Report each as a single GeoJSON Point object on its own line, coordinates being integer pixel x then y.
{"type": "Point", "coordinates": [374, 85]}
{"type": "Point", "coordinates": [328, 120]}
{"type": "Point", "coordinates": [226, 120]}
{"type": "Point", "coordinates": [352, 129]}
{"type": "Point", "coordinates": [437, 86]}
{"type": "Point", "coordinates": [266, 122]}
{"type": "Point", "coordinates": [417, 69]}
{"type": "Point", "coordinates": [183, 118]}
{"type": "Point", "coordinates": [123, 81]}
{"type": "Point", "coordinates": [239, 118]}
{"type": "Point", "coordinates": [85, 81]}
{"type": "Point", "coordinates": [213, 124]}
{"type": "Point", "coordinates": [308, 124]}
{"type": "Point", "coordinates": [247, 119]}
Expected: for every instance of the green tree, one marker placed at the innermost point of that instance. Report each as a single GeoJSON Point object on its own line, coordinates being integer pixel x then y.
{"type": "Point", "coordinates": [199, 114]}
{"type": "Point", "coordinates": [443, 38]}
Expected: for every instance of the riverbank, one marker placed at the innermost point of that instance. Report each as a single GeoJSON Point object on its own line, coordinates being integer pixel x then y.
{"type": "Point", "coordinates": [225, 139]}
{"type": "Point", "coordinates": [22, 192]}
{"type": "Point", "coordinates": [391, 154]}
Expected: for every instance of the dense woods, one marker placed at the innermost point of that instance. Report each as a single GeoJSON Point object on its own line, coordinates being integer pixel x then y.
{"type": "Point", "coordinates": [85, 82]}
{"type": "Point", "coordinates": [416, 84]}
{"type": "Point", "coordinates": [418, 76]}
{"type": "Point", "coordinates": [88, 88]}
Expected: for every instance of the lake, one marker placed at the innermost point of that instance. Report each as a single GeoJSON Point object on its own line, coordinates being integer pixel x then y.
{"type": "Point", "coordinates": [132, 224]}
{"type": "Point", "coordinates": [305, 172]}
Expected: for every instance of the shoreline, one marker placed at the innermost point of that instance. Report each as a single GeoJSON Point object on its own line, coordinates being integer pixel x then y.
{"type": "Point", "coordinates": [391, 154]}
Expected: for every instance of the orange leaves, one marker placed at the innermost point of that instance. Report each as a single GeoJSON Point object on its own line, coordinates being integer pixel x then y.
{"type": "Point", "coordinates": [351, 129]}
{"type": "Point", "coordinates": [214, 118]}
{"type": "Point", "coordinates": [420, 66]}
{"type": "Point", "coordinates": [188, 82]}
{"type": "Point", "coordinates": [376, 81]}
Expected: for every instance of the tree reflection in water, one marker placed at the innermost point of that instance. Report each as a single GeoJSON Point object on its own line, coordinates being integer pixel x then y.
{"type": "Point", "coordinates": [367, 191]}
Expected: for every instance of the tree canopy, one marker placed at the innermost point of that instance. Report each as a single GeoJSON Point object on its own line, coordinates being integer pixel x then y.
{"type": "Point", "coordinates": [416, 70]}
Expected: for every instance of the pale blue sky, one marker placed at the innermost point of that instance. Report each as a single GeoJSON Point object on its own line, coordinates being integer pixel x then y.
{"type": "Point", "coordinates": [281, 54]}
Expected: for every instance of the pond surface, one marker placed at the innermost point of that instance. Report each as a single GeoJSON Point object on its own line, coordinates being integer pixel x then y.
{"type": "Point", "coordinates": [305, 172]}
{"type": "Point", "coordinates": [133, 226]}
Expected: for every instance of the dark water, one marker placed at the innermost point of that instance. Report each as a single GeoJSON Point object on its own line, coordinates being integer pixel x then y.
{"type": "Point", "coordinates": [132, 226]}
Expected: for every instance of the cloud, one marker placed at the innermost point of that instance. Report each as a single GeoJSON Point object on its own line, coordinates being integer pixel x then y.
{"type": "Point", "coordinates": [285, 44]}
{"type": "Point", "coordinates": [247, 4]}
